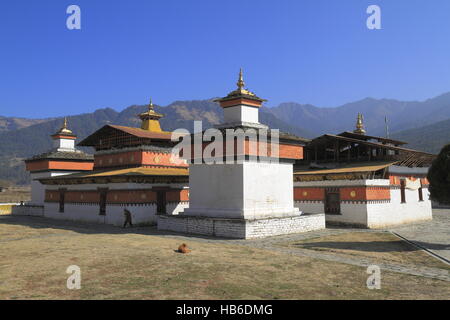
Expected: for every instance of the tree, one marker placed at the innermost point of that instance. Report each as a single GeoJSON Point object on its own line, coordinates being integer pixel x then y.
{"type": "Point", "coordinates": [439, 177]}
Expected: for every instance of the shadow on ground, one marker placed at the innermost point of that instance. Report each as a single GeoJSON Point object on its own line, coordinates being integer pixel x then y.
{"type": "Point", "coordinates": [93, 228]}
{"type": "Point", "coordinates": [367, 246]}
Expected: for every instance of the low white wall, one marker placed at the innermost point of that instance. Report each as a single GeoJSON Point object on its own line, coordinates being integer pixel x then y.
{"type": "Point", "coordinates": [28, 210]}
{"type": "Point", "coordinates": [351, 213]}
{"type": "Point", "coordinates": [240, 228]}
{"type": "Point", "coordinates": [310, 206]}
{"type": "Point", "coordinates": [140, 213]}
{"type": "Point", "coordinates": [393, 213]}
{"type": "Point", "coordinates": [174, 208]}
{"type": "Point", "coordinates": [38, 189]}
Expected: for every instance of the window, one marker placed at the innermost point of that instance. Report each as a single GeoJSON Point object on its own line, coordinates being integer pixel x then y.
{"type": "Point", "coordinates": [402, 190]}
{"type": "Point", "coordinates": [332, 201]}
{"type": "Point", "coordinates": [420, 194]}
{"type": "Point", "coordinates": [103, 195]}
{"type": "Point", "coordinates": [61, 200]}
{"type": "Point", "coordinates": [161, 202]}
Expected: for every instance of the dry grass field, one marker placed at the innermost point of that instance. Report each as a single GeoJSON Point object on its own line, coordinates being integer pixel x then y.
{"type": "Point", "coordinates": [140, 263]}
{"type": "Point", "coordinates": [15, 195]}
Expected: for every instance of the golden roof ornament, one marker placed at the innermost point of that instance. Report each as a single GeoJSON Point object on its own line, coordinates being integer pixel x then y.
{"type": "Point", "coordinates": [64, 129]}
{"type": "Point", "coordinates": [360, 125]}
{"type": "Point", "coordinates": [240, 87]}
{"type": "Point", "coordinates": [240, 83]}
{"type": "Point", "coordinates": [150, 119]}
{"type": "Point", "coordinates": [150, 106]}
{"type": "Point", "coordinates": [150, 113]}
{"type": "Point", "coordinates": [240, 92]}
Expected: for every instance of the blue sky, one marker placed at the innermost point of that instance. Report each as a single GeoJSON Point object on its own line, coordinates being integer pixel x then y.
{"type": "Point", "coordinates": [307, 51]}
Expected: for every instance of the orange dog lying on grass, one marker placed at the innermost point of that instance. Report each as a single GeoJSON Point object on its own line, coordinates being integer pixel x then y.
{"type": "Point", "coordinates": [183, 248]}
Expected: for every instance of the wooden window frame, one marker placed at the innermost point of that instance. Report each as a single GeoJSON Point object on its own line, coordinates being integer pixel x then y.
{"type": "Point", "coordinates": [161, 202]}
{"type": "Point", "coordinates": [62, 200]}
{"type": "Point", "coordinates": [103, 195]}
{"type": "Point", "coordinates": [403, 190]}
{"type": "Point", "coordinates": [421, 194]}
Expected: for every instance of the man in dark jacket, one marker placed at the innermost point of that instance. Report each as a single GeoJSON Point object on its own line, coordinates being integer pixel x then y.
{"type": "Point", "coordinates": [127, 215]}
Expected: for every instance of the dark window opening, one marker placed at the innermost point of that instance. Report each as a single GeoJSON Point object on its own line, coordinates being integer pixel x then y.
{"type": "Point", "coordinates": [61, 200]}
{"type": "Point", "coordinates": [420, 194]}
{"type": "Point", "coordinates": [161, 202]}
{"type": "Point", "coordinates": [102, 203]}
{"type": "Point", "coordinates": [332, 202]}
{"type": "Point", "coordinates": [403, 190]}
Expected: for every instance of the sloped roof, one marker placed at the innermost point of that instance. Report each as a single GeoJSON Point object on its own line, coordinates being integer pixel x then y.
{"type": "Point", "coordinates": [375, 144]}
{"type": "Point", "coordinates": [137, 171]}
{"type": "Point", "coordinates": [350, 168]}
{"type": "Point", "coordinates": [108, 130]}
{"type": "Point", "coordinates": [61, 155]}
{"type": "Point", "coordinates": [368, 137]}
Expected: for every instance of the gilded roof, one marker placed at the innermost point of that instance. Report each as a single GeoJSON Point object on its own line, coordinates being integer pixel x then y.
{"type": "Point", "coordinates": [150, 113]}
{"type": "Point", "coordinates": [137, 171]}
{"type": "Point", "coordinates": [351, 168]}
{"type": "Point", "coordinates": [240, 92]}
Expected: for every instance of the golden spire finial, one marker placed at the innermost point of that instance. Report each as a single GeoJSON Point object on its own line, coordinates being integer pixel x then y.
{"type": "Point", "coordinates": [150, 106]}
{"type": "Point", "coordinates": [64, 128]}
{"type": "Point", "coordinates": [360, 124]}
{"type": "Point", "coordinates": [241, 83]}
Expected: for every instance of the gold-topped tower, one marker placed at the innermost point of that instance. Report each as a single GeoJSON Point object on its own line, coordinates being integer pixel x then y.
{"type": "Point", "coordinates": [360, 125]}
{"type": "Point", "coordinates": [150, 119]}
{"type": "Point", "coordinates": [241, 87]}
{"type": "Point", "coordinates": [64, 130]}
{"type": "Point", "coordinates": [240, 92]}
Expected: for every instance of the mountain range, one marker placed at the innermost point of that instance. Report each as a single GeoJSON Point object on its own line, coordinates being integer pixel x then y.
{"type": "Point", "coordinates": [425, 125]}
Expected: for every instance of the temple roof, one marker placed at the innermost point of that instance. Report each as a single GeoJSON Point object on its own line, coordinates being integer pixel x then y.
{"type": "Point", "coordinates": [367, 137]}
{"type": "Point", "coordinates": [359, 140]}
{"type": "Point", "coordinates": [109, 132]}
{"type": "Point", "coordinates": [61, 155]}
{"type": "Point", "coordinates": [64, 130]}
{"type": "Point", "coordinates": [128, 173]}
{"type": "Point", "coordinates": [403, 156]}
{"type": "Point", "coordinates": [348, 168]}
{"type": "Point", "coordinates": [240, 92]}
{"type": "Point", "coordinates": [150, 113]}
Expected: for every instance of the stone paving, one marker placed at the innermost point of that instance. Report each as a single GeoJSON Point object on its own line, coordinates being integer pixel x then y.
{"type": "Point", "coordinates": [433, 235]}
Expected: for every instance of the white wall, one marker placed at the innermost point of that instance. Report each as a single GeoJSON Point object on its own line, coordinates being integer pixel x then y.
{"type": "Point", "coordinates": [372, 214]}
{"type": "Point", "coordinates": [310, 206]}
{"type": "Point", "coordinates": [174, 208]}
{"type": "Point", "coordinates": [241, 113]}
{"type": "Point", "coordinates": [64, 144]}
{"type": "Point", "coordinates": [248, 190]}
{"type": "Point", "coordinates": [38, 189]}
{"type": "Point", "coordinates": [395, 212]}
{"type": "Point", "coordinates": [141, 213]}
